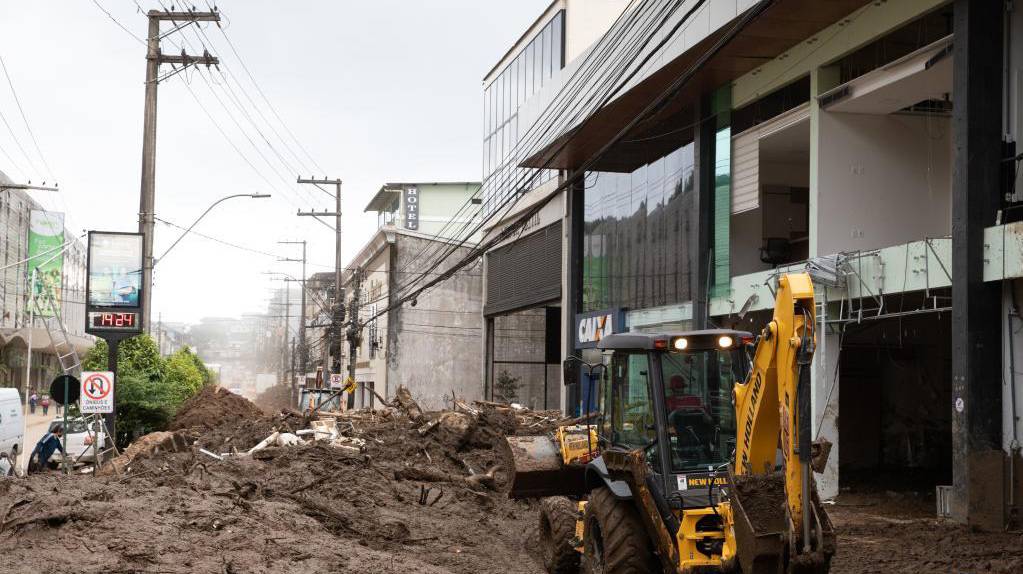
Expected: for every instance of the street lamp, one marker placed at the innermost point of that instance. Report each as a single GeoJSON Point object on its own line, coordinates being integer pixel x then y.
{"type": "Point", "coordinates": [208, 209]}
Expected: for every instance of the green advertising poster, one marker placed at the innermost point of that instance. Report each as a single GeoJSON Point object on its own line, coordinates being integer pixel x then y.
{"type": "Point", "coordinates": [45, 237]}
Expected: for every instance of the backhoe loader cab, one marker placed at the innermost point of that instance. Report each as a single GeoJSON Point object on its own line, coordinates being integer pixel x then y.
{"type": "Point", "coordinates": [671, 396]}
{"type": "Point", "coordinates": [698, 458]}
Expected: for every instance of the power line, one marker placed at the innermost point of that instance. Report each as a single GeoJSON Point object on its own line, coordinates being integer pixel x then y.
{"type": "Point", "coordinates": [24, 118]}
{"type": "Point", "coordinates": [666, 95]}
{"type": "Point", "coordinates": [552, 112]}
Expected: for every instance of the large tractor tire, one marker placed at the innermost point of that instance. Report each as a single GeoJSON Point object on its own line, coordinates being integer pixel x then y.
{"type": "Point", "coordinates": [558, 517]}
{"type": "Point", "coordinates": [615, 540]}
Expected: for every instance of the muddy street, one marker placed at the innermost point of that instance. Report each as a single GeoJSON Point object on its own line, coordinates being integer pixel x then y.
{"type": "Point", "coordinates": [393, 493]}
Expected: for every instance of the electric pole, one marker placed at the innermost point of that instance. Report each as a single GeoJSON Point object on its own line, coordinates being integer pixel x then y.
{"type": "Point", "coordinates": [354, 331]}
{"type": "Point", "coordinates": [301, 331]}
{"type": "Point", "coordinates": [338, 312]}
{"type": "Point", "coordinates": [147, 199]}
{"type": "Point", "coordinates": [294, 387]}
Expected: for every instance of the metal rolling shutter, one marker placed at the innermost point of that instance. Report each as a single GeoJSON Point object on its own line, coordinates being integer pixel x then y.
{"type": "Point", "coordinates": [525, 273]}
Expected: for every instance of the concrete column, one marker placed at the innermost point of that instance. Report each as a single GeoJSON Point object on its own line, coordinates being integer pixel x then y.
{"type": "Point", "coordinates": [978, 459]}
{"type": "Point", "coordinates": [824, 395]}
{"type": "Point", "coordinates": [1012, 394]}
{"type": "Point", "coordinates": [821, 80]}
{"type": "Point", "coordinates": [824, 376]}
{"type": "Point", "coordinates": [701, 232]}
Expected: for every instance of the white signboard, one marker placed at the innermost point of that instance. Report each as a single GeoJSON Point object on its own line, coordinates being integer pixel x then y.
{"type": "Point", "coordinates": [97, 392]}
{"type": "Point", "coordinates": [337, 381]}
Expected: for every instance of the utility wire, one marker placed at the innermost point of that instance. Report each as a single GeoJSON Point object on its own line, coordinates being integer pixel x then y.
{"type": "Point", "coordinates": [24, 118]}
{"type": "Point", "coordinates": [652, 108]}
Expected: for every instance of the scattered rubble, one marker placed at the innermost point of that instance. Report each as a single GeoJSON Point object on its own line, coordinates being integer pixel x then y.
{"type": "Point", "coordinates": [362, 491]}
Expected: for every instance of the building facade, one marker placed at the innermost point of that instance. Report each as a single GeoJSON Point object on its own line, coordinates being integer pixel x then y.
{"type": "Point", "coordinates": [427, 344]}
{"type": "Point", "coordinates": [16, 207]}
{"type": "Point", "coordinates": [715, 145]}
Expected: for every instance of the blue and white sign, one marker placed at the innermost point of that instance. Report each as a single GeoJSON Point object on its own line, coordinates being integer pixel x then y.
{"type": "Point", "coordinates": [592, 327]}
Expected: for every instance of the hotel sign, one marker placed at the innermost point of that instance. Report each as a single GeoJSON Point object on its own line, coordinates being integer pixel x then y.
{"type": "Point", "coordinates": [411, 199]}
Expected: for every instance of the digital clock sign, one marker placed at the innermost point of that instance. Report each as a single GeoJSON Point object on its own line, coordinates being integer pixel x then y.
{"type": "Point", "coordinates": [113, 285]}
{"type": "Point", "coordinates": [113, 320]}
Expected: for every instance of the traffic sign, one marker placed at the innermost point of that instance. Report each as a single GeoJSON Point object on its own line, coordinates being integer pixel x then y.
{"type": "Point", "coordinates": [336, 381]}
{"type": "Point", "coordinates": [349, 385]}
{"type": "Point", "coordinates": [97, 392]}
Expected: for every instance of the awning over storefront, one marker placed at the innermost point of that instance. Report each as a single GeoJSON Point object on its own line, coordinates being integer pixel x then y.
{"type": "Point", "coordinates": [41, 339]}
{"type": "Point", "coordinates": [782, 25]}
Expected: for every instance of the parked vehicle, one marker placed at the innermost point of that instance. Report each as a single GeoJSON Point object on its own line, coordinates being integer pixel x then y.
{"type": "Point", "coordinates": [79, 439]}
{"type": "Point", "coordinates": [12, 425]}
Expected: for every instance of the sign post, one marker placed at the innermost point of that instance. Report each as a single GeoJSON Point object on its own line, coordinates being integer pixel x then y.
{"type": "Point", "coordinates": [113, 309]}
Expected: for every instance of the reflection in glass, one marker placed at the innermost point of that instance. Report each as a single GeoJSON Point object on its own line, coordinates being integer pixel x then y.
{"type": "Point", "coordinates": [636, 234]}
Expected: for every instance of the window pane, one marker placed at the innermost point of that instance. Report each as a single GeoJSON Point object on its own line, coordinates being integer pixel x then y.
{"type": "Point", "coordinates": [632, 409]}
{"type": "Point", "coordinates": [698, 400]}
{"type": "Point", "coordinates": [528, 70]}
{"type": "Point", "coordinates": [557, 48]}
{"type": "Point", "coordinates": [547, 52]}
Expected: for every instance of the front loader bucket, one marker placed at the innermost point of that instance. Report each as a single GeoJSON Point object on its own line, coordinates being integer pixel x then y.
{"type": "Point", "coordinates": [758, 510]}
{"type": "Point", "coordinates": [538, 470]}
{"type": "Point", "coordinates": [760, 517]}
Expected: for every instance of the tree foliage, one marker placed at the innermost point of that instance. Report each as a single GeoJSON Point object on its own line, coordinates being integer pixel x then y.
{"type": "Point", "coordinates": [150, 388]}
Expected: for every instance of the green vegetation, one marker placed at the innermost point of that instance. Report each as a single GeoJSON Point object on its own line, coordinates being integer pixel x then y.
{"type": "Point", "coordinates": [506, 387]}
{"type": "Point", "coordinates": [150, 388]}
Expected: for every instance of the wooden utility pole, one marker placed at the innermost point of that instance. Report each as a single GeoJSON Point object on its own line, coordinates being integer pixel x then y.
{"type": "Point", "coordinates": [354, 331]}
{"type": "Point", "coordinates": [338, 312]}
{"type": "Point", "coordinates": [301, 331]}
{"type": "Point", "coordinates": [147, 199]}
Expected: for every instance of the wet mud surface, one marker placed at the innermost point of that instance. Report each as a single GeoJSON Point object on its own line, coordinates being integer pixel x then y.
{"type": "Point", "coordinates": [406, 504]}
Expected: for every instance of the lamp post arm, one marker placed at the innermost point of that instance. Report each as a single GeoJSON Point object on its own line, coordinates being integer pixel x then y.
{"type": "Point", "coordinates": [196, 222]}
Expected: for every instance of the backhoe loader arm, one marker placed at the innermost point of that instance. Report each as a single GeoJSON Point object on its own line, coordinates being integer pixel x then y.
{"type": "Point", "coordinates": [773, 404]}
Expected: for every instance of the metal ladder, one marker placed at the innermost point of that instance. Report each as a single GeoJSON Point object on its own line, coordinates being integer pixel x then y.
{"type": "Point", "coordinates": [67, 356]}
{"type": "Point", "coordinates": [100, 452]}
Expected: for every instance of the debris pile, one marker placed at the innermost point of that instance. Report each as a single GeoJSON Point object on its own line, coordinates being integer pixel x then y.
{"type": "Point", "coordinates": [213, 406]}
{"type": "Point", "coordinates": [235, 490]}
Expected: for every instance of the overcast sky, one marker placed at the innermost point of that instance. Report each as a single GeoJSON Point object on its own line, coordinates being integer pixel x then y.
{"type": "Point", "coordinates": [385, 90]}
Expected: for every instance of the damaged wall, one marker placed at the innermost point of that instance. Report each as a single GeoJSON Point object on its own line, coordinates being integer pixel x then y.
{"type": "Point", "coordinates": [433, 347]}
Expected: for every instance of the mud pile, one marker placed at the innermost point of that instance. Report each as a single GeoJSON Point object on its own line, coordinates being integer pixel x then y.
{"type": "Point", "coordinates": [211, 407]}
{"type": "Point", "coordinates": [422, 495]}
{"type": "Point", "coordinates": [274, 399]}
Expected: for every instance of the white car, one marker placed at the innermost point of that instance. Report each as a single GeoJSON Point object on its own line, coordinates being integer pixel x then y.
{"type": "Point", "coordinates": [79, 440]}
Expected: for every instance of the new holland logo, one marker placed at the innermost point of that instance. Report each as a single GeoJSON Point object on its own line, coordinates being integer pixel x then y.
{"type": "Point", "coordinates": [593, 329]}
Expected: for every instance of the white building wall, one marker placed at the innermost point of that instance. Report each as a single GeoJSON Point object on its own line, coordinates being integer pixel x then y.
{"type": "Point", "coordinates": [883, 180]}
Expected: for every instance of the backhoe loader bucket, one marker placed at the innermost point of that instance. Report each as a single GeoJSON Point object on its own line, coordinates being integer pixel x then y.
{"type": "Point", "coordinates": [758, 510]}
{"type": "Point", "coordinates": [538, 469]}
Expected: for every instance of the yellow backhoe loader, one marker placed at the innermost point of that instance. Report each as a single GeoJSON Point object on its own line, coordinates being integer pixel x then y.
{"type": "Point", "coordinates": [699, 459]}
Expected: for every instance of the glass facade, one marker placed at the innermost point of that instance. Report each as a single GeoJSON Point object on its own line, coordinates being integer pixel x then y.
{"type": "Point", "coordinates": [519, 80]}
{"type": "Point", "coordinates": [636, 235]}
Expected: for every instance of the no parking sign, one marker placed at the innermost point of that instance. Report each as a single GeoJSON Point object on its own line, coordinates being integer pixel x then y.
{"type": "Point", "coordinates": [97, 392]}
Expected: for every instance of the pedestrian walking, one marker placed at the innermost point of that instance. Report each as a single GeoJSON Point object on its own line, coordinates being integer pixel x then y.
{"type": "Point", "coordinates": [45, 403]}
{"type": "Point", "coordinates": [40, 457]}
{"type": "Point", "coordinates": [32, 400]}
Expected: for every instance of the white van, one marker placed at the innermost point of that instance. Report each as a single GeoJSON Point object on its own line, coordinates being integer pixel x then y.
{"type": "Point", "coordinates": [11, 424]}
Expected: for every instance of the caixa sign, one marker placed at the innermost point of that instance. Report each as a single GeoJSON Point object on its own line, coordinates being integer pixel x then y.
{"type": "Point", "coordinates": [590, 328]}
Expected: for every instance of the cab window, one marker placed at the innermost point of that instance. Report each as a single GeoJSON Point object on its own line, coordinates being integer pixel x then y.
{"type": "Point", "coordinates": [632, 417]}
{"type": "Point", "coordinates": [701, 418]}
